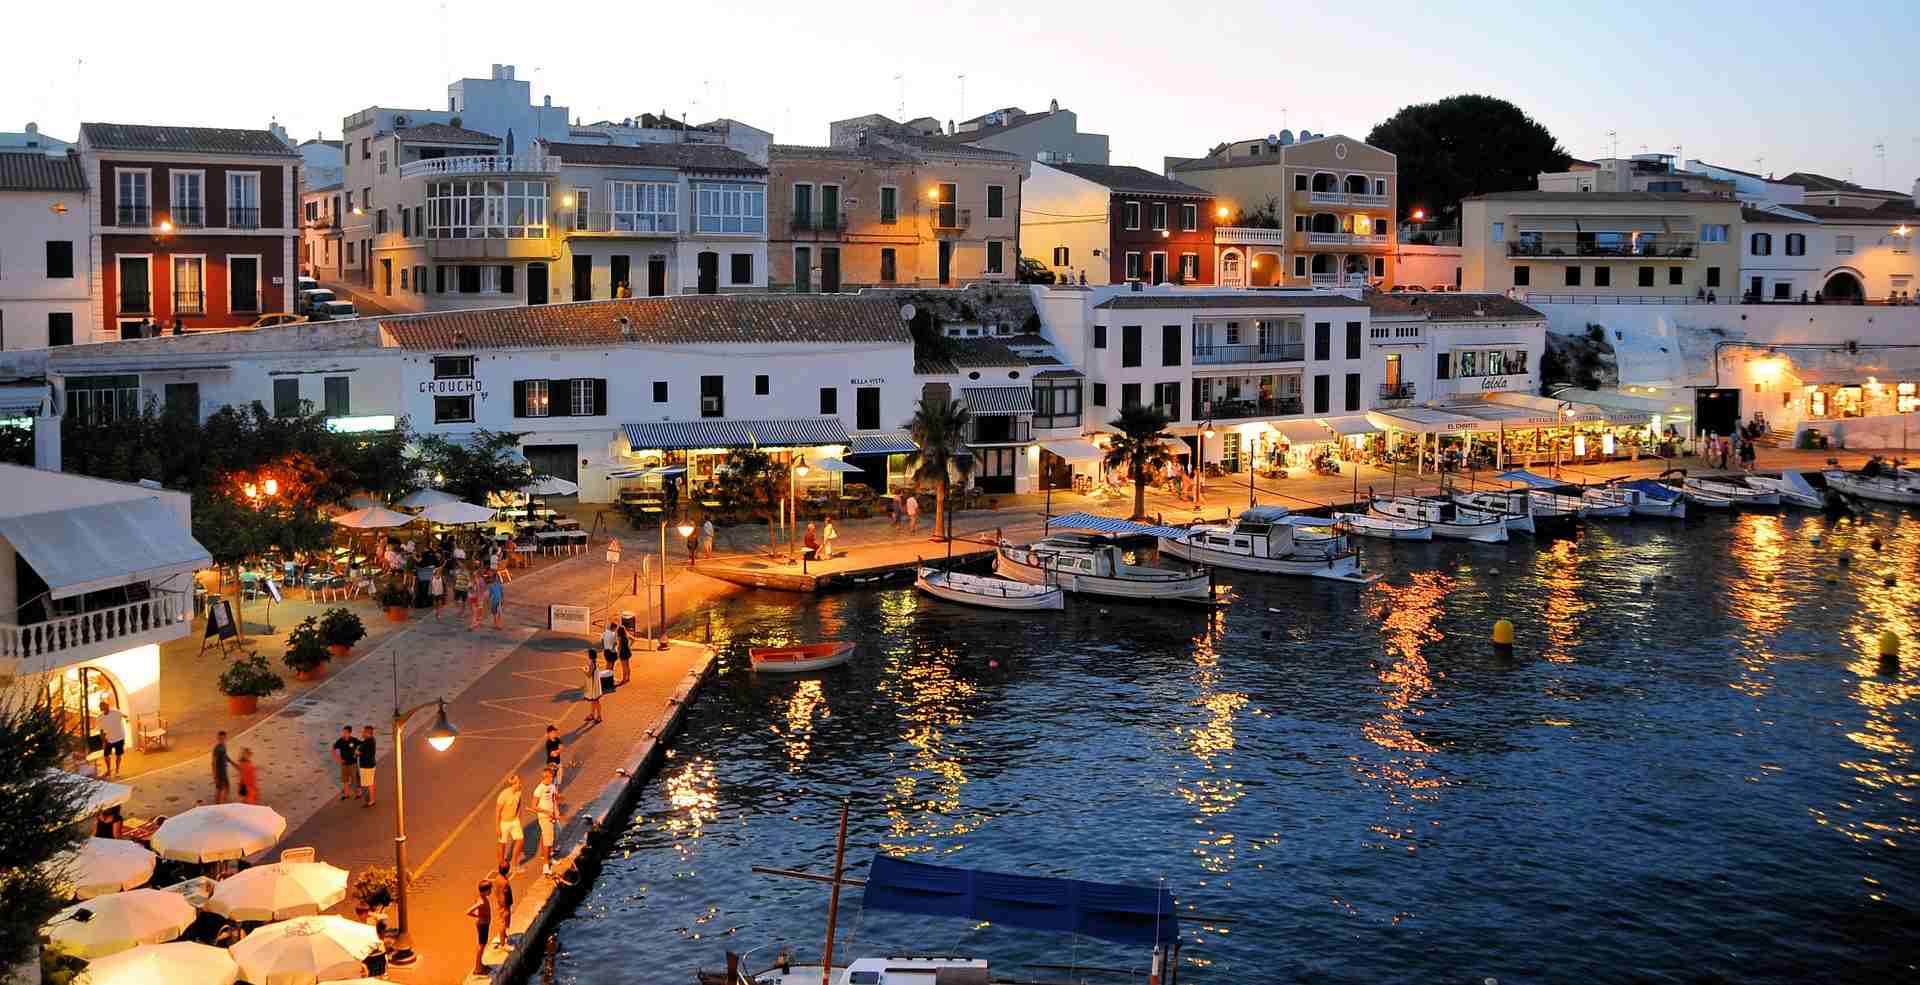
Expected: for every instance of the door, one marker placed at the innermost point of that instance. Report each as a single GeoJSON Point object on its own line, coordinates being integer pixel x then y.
{"type": "Point", "coordinates": [135, 286]}
{"type": "Point", "coordinates": [830, 270]}
{"type": "Point", "coordinates": [1756, 288]}
{"type": "Point", "coordinates": [583, 278]}
{"type": "Point", "coordinates": [946, 262]}
{"type": "Point", "coordinates": [1717, 411]}
{"type": "Point", "coordinates": [560, 461]}
{"type": "Point", "coordinates": [243, 284]}
{"type": "Point", "coordinates": [656, 276]}
{"type": "Point", "coordinates": [709, 272]}
{"type": "Point", "coordinates": [536, 283]}
{"type": "Point", "coordinates": [1159, 268]}
{"type": "Point", "coordinates": [621, 277]}
{"type": "Point", "coordinates": [386, 277]}
{"type": "Point", "coordinates": [993, 469]}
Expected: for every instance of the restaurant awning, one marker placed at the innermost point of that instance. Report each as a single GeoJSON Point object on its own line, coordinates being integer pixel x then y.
{"type": "Point", "coordinates": [998, 399]}
{"type": "Point", "coordinates": [1424, 420]}
{"type": "Point", "coordinates": [1553, 410]}
{"type": "Point", "coordinates": [1075, 450]}
{"type": "Point", "coordinates": [883, 443]}
{"type": "Point", "coordinates": [1503, 414]}
{"type": "Point", "coordinates": [793, 432]}
{"type": "Point", "coordinates": [1350, 425]}
{"type": "Point", "coordinates": [1302, 432]}
{"type": "Point", "coordinates": [88, 548]}
{"type": "Point", "coordinates": [836, 465]}
{"type": "Point", "coordinates": [1629, 408]}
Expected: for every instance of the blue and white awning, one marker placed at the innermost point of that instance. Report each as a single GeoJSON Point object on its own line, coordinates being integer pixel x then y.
{"type": "Point", "coordinates": [836, 465]}
{"type": "Point", "coordinates": [998, 399]}
{"type": "Point", "coordinates": [795, 432]}
{"type": "Point", "coordinates": [1533, 479]}
{"type": "Point", "coordinates": [1112, 525]}
{"type": "Point", "coordinates": [883, 443]}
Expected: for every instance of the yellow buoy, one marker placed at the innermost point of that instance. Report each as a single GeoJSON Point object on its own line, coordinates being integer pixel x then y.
{"type": "Point", "coordinates": [1502, 633]}
{"type": "Point", "coordinates": [1889, 644]}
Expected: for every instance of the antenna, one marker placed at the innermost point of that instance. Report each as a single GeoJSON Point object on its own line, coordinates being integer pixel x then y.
{"type": "Point", "coordinates": [1614, 136]}
{"type": "Point", "coordinates": [1880, 150]}
{"type": "Point", "coordinates": [963, 95]}
{"type": "Point", "coordinates": [900, 109]}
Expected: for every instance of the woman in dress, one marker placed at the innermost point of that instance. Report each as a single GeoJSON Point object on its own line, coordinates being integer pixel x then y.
{"type": "Point", "coordinates": [591, 689]}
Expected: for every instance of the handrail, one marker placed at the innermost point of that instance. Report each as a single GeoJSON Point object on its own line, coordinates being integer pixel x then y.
{"type": "Point", "coordinates": [98, 626]}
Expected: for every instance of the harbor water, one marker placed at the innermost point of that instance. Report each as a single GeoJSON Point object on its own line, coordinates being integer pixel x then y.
{"type": "Point", "coordinates": [1693, 767]}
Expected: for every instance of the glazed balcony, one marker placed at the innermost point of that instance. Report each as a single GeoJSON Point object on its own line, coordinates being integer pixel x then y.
{"type": "Point", "coordinates": [1235, 409]}
{"type": "Point", "coordinates": [1624, 248]}
{"type": "Point", "coordinates": [1232, 355]}
{"type": "Point", "coordinates": [40, 647]}
{"type": "Point", "coordinates": [502, 164]}
{"type": "Point", "coordinates": [623, 224]}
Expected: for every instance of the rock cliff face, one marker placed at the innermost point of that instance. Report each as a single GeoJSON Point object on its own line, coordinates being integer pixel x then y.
{"type": "Point", "coordinates": [1585, 360]}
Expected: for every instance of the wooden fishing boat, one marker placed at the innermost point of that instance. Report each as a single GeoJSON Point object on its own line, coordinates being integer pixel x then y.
{"type": "Point", "coordinates": [1447, 519]}
{"type": "Point", "coordinates": [1512, 506]}
{"type": "Point", "coordinates": [1089, 564]}
{"type": "Point", "coordinates": [1731, 489]}
{"type": "Point", "coordinates": [988, 592]}
{"type": "Point", "coordinates": [1263, 539]}
{"type": "Point", "coordinates": [1650, 498]}
{"type": "Point", "coordinates": [1888, 486]}
{"type": "Point", "coordinates": [800, 659]}
{"type": "Point", "coordinates": [1792, 487]}
{"type": "Point", "coordinates": [1551, 501]}
{"type": "Point", "coordinates": [1384, 528]}
{"type": "Point", "coordinates": [1605, 502]}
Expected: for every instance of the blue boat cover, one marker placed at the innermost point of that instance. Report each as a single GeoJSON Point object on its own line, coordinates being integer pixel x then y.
{"type": "Point", "coordinates": [1112, 525]}
{"type": "Point", "coordinates": [1652, 489]}
{"type": "Point", "coordinates": [1531, 479]}
{"type": "Point", "coordinates": [1108, 912]}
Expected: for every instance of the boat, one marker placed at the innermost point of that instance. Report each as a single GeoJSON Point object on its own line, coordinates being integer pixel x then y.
{"type": "Point", "coordinates": [1512, 506]}
{"type": "Point", "coordinates": [1093, 564]}
{"type": "Point", "coordinates": [1650, 498]}
{"type": "Point", "coordinates": [1793, 488]}
{"type": "Point", "coordinates": [1881, 486]}
{"type": "Point", "coordinates": [1447, 519]}
{"type": "Point", "coordinates": [800, 659]}
{"type": "Point", "coordinates": [1384, 528]}
{"type": "Point", "coordinates": [1731, 489]}
{"type": "Point", "coordinates": [988, 592]}
{"type": "Point", "coordinates": [1605, 502]}
{"type": "Point", "coordinates": [1264, 539]}
{"type": "Point", "coordinates": [1710, 500]}
{"type": "Point", "coordinates": [1555, 501]}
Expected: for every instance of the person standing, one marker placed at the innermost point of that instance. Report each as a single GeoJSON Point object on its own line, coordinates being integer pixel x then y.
{"type": "Point", "coordinates": [437, 588]}
{"type": "Point", "coordinates": [706, 537]}
{"type": "Point", "coordinates": [546, 809]}
{"type": "Point", "coordinates": [496, 596]}
{"type": "Point", "coordinates": [811, 543]}
{"type": "Point", "coordinates": [113, 736]}
{"type": "Point", "coordinates": [346, 753]}
{"type": "Point", "coordinates": [367, 752]}
{"type": "Point", "coordinates": [249, 777]}
{"type": "Point", "coordinates": [610, 639]}
{"type": "Point", "coordinates": [502, 907]}
{"type": "Point", "coordinates": [220, 761]}
{"type": "Point", "coordinates": [591, 689]}
{"type": "Point", "coordinates": [913, 511]}
{"type": "Point", "coordinates": [624, 641]}
{"type": "Point", "coordinates": [1747, 455]}
{"type": "Point", "coordinates": [828, 535]}
{"type": "Point", "coordinates": [462, 583]}
{"type": "Point", "coordinates": [482, 913]}
{"type": "Point", "coordinates": [506, 816]}
{"type": "Point", "coordinates": [554, 747]}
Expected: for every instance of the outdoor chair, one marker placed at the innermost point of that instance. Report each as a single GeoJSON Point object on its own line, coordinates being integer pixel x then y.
{"type": "Point", "coordinates": [292, 855]}
{"type": "Point", "coordinates": [152, 731]}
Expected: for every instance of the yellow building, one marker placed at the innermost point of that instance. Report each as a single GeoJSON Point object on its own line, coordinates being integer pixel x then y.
{"type": "Point", "coordinates": [1580, 245]}
{"type": "Point", "coordinates": [1315, 212]}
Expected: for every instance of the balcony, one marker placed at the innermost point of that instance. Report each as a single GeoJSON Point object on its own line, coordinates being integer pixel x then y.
{"type": "Point", "coordinates": [1338, 280]}
{"type": "Point", "coordinates": [492, 248]}
{"type": "Point", "coordinates": [1249, 236]}
{"type": "Point", "coordinates": [624, 223]}
{"type": "Point", "coordinates": [1048, 422]}
{"type": "Point", "coordinates": [819, 222]}
{"type": "Point", "coordinates": [1000, 429]}
{"type": "Point", "coordinates": [1643, 248]}
{"type": "Point", "coordinates": [243, 217]}
{"type": "Point", "coordinates": [1346, 239]}
{"type": "Point", "coordinates": [1349, 199]}
{"type": "Point", "coordinates": [187, 216]}
{"type": "Point", "coordinates": [135, 303]}
{"type": "Point", "coordinates": [441, 167]}
{"type": "Point", "coordinates": [947, 219]}
{"type": "Point", "coordinates": [1250, 407]}
{"type": "Point", "coordinates": [41, 647]}
{"type": "Point", "coordinates": [1229, 355]}
{"type": "Point", "coordinates": [1396, 392]}
{"type": "Point", "coordinates": [132, 215]}
{"type": "Point", "coordinates": [189, 303]}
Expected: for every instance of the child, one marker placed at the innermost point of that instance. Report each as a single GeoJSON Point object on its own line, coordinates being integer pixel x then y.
{"type": "Point", "coordinates": [249, 777]}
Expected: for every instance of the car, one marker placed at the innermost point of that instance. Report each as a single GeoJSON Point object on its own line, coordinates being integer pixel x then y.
{"type": "Point", "coordinates": [332, 311]}
{"type": "Point", "coordinates": [1031, 271]}
{"type": "Point", "coordinates": [310, 297]}
{"type": "Point", "coordinates": [268, 321]}
{"type": "Point", "coordinates": [301, 285]}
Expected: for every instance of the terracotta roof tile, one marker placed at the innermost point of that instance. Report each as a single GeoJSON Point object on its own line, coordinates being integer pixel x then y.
{"type": "Point", "coordinates": [202, 140]}
{"type": "Point", "coordinates": [684, 320]}
{"type": "Point", "coordinates": [1126, 178]}
{"type": "Point", "coordinates": [876, 153]}
{"type": "Point", "coordinates": [33, 171]}
{"type": "Point", "coordinates": [442, 133]}
{"type": "Point", "coordinates": [712, 158]}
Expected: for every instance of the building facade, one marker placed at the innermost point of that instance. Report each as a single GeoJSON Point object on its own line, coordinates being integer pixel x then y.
{"type": "Point", "coordinates": [1052, 136]}
{"type": "Point", "coordinates": [1639, 173]}
{"type": "Point", "coordinates": [1101, 224]}
{"type": "Point", "coordinates": [46, 270]}
{"type": "Point", "coordinates": [1831, 253]}
{"type": "Point", "coordinates": [193, 227]}
{"type": "Point", "coordinates": [1601, 244]}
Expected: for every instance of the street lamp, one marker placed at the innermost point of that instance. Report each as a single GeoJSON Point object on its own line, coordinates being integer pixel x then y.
{"type": "Point", "coordinates": [799, 471]}
{"type": "Point", "coordinates": [440, 736]}
{"type": "Point", "coordinates": [1200, 460]}
{"type": "Point", "coordinates": [686, 530]}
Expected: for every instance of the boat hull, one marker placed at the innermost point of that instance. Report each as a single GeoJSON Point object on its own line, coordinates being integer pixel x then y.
{"type": "Point", "coordinates": [977, 591]}
{"type": "Point", "coordinates": [1733, 495]}
{"type": "Point", "coordinates": [1488, 532]}
{"type": "Point", "coordinates": [1344, 567]}
{"type": "Point", "coordinates": [1384, 528]}
{"type": "Point", "coordinates": [1877, 490]}
{"type": "Point", "coordinates": [1521, 522]}
{"type": "Point", "coordinates": [1792, 492]}
{"type": "Point", "coordinates": [1186, 588]}
{"type": "Point", "coordinates": [1675, 508]}
{"type": "Point", "coordinates": [800, 659]}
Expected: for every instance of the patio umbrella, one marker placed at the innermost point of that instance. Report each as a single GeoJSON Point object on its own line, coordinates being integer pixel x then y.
{"type": "Point", "coordinates": [216, 832]}
{"type": "Point", "coordinates": [550, 485]}
{"type": "Point", "coordinates": [373, 518]}
{"type": "Point", "coordinates": [121, 922]}
{"type": "Point", "coordinates": [178, 963]}
{"type": "Point", "coordinates": [306, 950]}
{"type": "Point", "coordinates": [456, 512]}
{"type": "Point", "coordinates": [279, 892]}
{"type": "Point", "coordinates": [361, 501]}
{"type": "Point", "coordinates": [422, 498]}
{"type": "Point", "coordinates": [103, 865]}
{"type": "Point", "coordinates": [96, 795]}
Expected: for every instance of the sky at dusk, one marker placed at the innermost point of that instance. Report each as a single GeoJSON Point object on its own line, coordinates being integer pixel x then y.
{"type": "Point", "coordinates": [1809, 87]}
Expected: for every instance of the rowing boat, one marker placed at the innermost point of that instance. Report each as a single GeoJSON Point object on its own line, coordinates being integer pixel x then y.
{"type": "Point", "coordinates": [800, 659]}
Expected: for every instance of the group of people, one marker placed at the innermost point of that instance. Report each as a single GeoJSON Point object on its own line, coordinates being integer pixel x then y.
{"type": "Point", "coordinates": [1716, 449]}
{"type": "Point", "coordinates": [906, 510]}
{"type": "Point", "coordinates": [441, 568]}
{"type": "Point", "coordinates": [492, 911]}
{"type": "Point", "coordinates": [356, 758]}
{"type": "Point", "coordinates": [225, 766]}
{"type": "Point", "coordinates": [819, 543]}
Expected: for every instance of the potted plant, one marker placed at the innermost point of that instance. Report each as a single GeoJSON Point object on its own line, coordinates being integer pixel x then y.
{"type": "Point", "coordinates": [306, 650]}
{"type": "Point", "coordinates": [246, 680]}
{"type": "Point", "coordinates": [341, 629]}
{"type": "Point", "coordinates": [396, 600]}
{"type": "Point", "coordinates": [372, 891]}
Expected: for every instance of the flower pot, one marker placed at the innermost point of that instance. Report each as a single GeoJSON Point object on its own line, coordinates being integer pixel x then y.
{"type": "Point", "coordinates": [396, 613]}
{"type": "Point", "coordinates": [310, 675]}
{"type": "Point", "coordinates": [339, 651]}
{"type": "Point", "coordinates": [242, 704]}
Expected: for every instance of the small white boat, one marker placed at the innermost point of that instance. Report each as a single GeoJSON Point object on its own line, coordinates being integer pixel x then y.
{"type": "Point", "coordinates": [1447, 519]}
{"type": "Point", "coordinates": [1089, 564]}
{"type": "Point", "coordinates": [1650, 498]}
{"type": "Point", "coordinates": [890, 970]}
{"type": "Point", "coordinates": [800, 659]}
{"type": "Point", "coordinates": [1792, 487]}
{"type": "Point", "coordinates": [1605, 502]}
{"type": "Point", "coordinates": [1551, 501]}
{"type": "Point", "coordinates": [1710, 500]}
{"type": "Point", "coordinates": [1384, 528]}
{"type": "Point", "coordinates": [1265, 539]}
{"type": "Point", "coordinates": [1886, 487]}
{"type": "Point", "coordinates": [1512, 506]}
{"type": "Point", "coordinates": [988, 592]}
{"type": "Point", "coordinates": [1732, 490]}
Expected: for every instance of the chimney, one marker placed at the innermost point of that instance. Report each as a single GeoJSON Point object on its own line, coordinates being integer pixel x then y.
{"type": "Point", "coordinates": [1053, 106]}
{"type": "Point", "coordinates": [949, 128]}
{"type": "Point", "coordinates": [496, 71]}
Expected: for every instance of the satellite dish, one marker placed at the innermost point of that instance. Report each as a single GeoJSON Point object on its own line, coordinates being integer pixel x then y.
{"type": "Point", "coordinates": [907, 311]}
{"type": "Point", "coordinates": [1273, 138]}
{"type": "Point", "coordinates": [1286, 137]}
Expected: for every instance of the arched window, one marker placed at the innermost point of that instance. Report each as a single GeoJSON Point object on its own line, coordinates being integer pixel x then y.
{"type": "Point", "coordinates": [1761, 244]}
{"type": "Point", "coordinates": [1230, 268]}
{"type": "Point", "coordinates": [1326, 222]}
{"type": "Point", "coordinates": [1357, 184]}
{"type": "Point", "coordinates": [1324, 181]}
{"type": "Point", "coordinates": [1796, 244]}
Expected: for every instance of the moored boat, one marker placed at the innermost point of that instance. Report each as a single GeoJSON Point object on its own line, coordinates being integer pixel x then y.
{"type": "Point", "coordinates": [988, 592]}
{"type": "Point", "coordinates": [1089, 564]}
{"type": "Point", "coordinates": [1555, 501]}
{"type": "Point", "coordinates": [1265, 539]}
{"type": "Point", "coordinates": [1650, 498]}
{"type": "Point", "coordinates": [1792, 487]}
{"type": "Point", "coordinates": [1605, 502]}
{"type": "Point", "coordinates": [1384, 528]}
{"type": "Point", "coordinates": [1887, 486]}
{"type": "Point", "coordinates": [800, 659]}
{"type": "Point", "coordinates": [1512, 506]}
{"type": "Point", "coordinates": [1732, 490]}
{"type": "Point", "coordinates": [1447, 519]}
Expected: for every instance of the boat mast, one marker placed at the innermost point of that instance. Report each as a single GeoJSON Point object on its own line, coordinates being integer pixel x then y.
{"type": "Point", "coordinates": [833, 901]}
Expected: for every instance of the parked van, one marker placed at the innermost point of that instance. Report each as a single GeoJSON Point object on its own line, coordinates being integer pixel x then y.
{"type": "Point", "coordinates": [310, 297]}
{"type": "Point", "coordinates": [332, 311]}
{"type": "Point", "coordinates": [302, 285]}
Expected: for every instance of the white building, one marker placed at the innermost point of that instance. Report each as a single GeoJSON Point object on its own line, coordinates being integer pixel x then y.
{"type": "Point", "coordinates": [94, 576]}
{"type": "Point", "coordinates": [1751, 188]}
{"type": "Point", "coordinates": [32, 139]}
{"type": "Point", "coordinates": [1837, 252]}
{"type": "Point", "coordinates": [46, 271]}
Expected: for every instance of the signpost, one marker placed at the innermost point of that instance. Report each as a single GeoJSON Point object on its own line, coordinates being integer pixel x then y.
{"type": "Point", "coordinates": [613, 559]}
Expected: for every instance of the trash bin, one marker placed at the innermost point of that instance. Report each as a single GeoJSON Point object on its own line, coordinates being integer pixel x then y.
{"type": "Point", "coordinates": [628, 620]}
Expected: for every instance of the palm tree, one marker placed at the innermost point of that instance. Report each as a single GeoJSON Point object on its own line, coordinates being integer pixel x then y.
{"type": "Point", "coordinates": [939, 427]}
{"type": "Point", "coordinates": [1139, 446]}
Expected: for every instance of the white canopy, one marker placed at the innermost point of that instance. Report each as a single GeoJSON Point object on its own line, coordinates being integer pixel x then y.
{"type": "Point", "coordinates": [279, 892]}
{"type": "Point", "coordinates": [1075, 450]}
{"type": "Point", "coordinates": [216, 832]}
{"type": "Point", "coordinates": [457, 512]}
{"type": "Point", "coordinates": [178, 963]}
{"type": "Point", "coordinates": [836, 465]}
{"type": "Point", "coordinates": [305, 950]}
{"type": "Point", "coordinates": [1350, 425]}
{"type": "Point", "coordinates": [98, 794]}
{"type": "Point", "coordinates": [121, 922]}
{"type": "Point", "coordinates": [103, 865]}
{"type": "Point", "coordinates": [550, 485]}
{"type": "Point", "coordinates": [373, 518]}
{"type": "Point", "coordinates": [1302, 432]}
{"type": "Point", "coordinates": [422, 498]}
{"type": "Point", "coordinates": [83, 549]}
{"type": "Point", "coordinates": [1423, 420]}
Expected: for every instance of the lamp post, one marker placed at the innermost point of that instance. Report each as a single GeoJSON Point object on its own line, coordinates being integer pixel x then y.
{"type": "Point", "coordinates": [799, 471]}
{"type": "Point", "coordinates": [686, 530]}
{"type": "Point", "coordinates": [1200, 460]}
{"type": "Point", "coordinates": [440, 737]}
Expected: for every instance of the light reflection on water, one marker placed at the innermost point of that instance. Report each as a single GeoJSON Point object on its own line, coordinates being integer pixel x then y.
{"type": "Point", "coordinates": [1694, 742]}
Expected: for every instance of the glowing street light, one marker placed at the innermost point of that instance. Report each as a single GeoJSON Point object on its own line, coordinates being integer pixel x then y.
{"type": "Point", "coordinates": [440, 737]}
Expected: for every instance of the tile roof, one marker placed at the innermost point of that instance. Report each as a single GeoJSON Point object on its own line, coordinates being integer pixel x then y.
{"type": "Point", "coordinates": [874, 153]}
{"type": "Point", "coordinates": [1822, 183]}
{"type": "Point", "coordinates": [712, 158]}
{"type": "Point", "coordinates": [1251, 299]}
{"type": "Point", "coordinates": [719, 432]}
{"type": "Point", "coordinates": [682, 320]}
{"type": "Point", "coordinates": [1014, 120]}
{"type": "Point", "coordinates": [1126, 178]}
{"type": "Point", "coordinates": [1750, 214]}
{"type": "Point", "coordinates": [957, 355]}
{"type": "Point", "coordinates": [941, 144]}
{"type": "Point", "coordinates": [34, 171]}
{"type": "Point", "coordinates": [442, 133]}
{"type": "Point", "coordinates": [1450, 306]}
{"type": "Point", "coordinates": [202, 140]}
{"type": "Point", "coordinates": [1540, 196]}
{"type": "Point", "coordinates": [1888, 212]}
{"type": "Point", "coordinates": [1216, 164]}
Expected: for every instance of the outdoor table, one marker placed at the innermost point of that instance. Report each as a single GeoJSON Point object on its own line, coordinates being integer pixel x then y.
{"type": "Point", "coordinates": [516, 512]}
{"type": "Point", "coordinates": [568, 522]}
{"type": "Point", "coordinates": [197, 890]}
{"type": "Point", "coordinates": [712, 504]}
{"type": "Point", "coordinates": [139, 829]}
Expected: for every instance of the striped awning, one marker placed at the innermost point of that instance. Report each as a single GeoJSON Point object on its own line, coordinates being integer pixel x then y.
{"type": "Point", "coordinates": [998, 399]}
{"type": "Point", "coordinates": [883, 443]}
{"type": "Point", "coordinates": [1112, 525]}
{"type": "Point", "coordinates": [795, 432]}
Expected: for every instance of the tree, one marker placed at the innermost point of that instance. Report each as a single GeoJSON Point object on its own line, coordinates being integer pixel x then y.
{"type": "Point", "coordinates": [16, 444]}
{"type": "Point", "coordinates": [37, 819]}
{"type": "Point", "coordinates": [939, 427]}
{"type": "Point", "coordinates": [488, 463]}
{"type": "Point", "coordinates": [753, 481]}
{"type": "Point", "coordinates": [1267, 216]}
{"type": "Point", "coordinates": [1463, 146]}
{"type": "Point", "coordinates": [1139, 447]}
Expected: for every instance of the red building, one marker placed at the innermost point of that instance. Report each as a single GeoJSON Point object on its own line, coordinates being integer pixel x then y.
{"type": "Point", "coordinates": [1117, 224]}
{"type": "Point", "coordinates": [193, 226]}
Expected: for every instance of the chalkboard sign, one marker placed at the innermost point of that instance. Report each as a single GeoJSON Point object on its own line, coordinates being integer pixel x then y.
{"type": "Point", "coordinates": [220, 620]}
{"type": "Point", "coordinates": [273, 589]}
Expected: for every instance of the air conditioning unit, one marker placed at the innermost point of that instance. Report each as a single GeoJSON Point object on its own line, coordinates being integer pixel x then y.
{"type": "Point", "coordinates": [401, 120]}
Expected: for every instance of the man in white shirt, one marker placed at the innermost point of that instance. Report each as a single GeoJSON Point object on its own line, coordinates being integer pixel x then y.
{"type": "Point", "coordinates": [546, 809]}
{"type": "Point", "coordinates": [610, 640]}
{"type": "Point", "coordinates": [506, 815]}
{"type": "Point", "coordinates": [113, 737]}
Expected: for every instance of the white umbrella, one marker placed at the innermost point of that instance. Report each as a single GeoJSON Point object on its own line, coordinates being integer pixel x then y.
{"type": "Point", "coordinates": [216, 832]}
{"type": "Point", "coordinates": [178, 963]}
{"type": "Point", "coordinates": [550, 485]}
{"type": "Point", "coordinates": [361, 501]}
{"type": "Point", "coordinates": [457, 512]}
{"type": "Point", "coordinates": [279, 892]}
{"type": "Point", "coordinates": [103, 865]}
{"type": "Point", "coordinates": [306, 950]}
{"type": "Point", "coordinates": [121, 921]}
{"type": "Point", "coordinates": [373, 517]}
{"type": "Point", "coordinates": [422, 498]}
{"type": "Point", "coordinates": [96, 795]}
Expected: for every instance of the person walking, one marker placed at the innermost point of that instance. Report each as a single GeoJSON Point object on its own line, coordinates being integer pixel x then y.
{"type": "Point", "coordinates": [506, 816]}
{"type": "Point", "coordinates": [496, 595]}
{"type": "Point", "coordinates": [476, 609]}
{"type": "Point", "coordinates": [828, 535]}
{"type": "Point", "coordinates": [899, 510]}
{"type": "Point", "coordinates": [1748, 453]}
{"type": "Point", "coordinates": [623, 640]}
{"type": "Point", "coordinates": [554, 747]}
{"type": "Point", "coordinates": [482, 913]}
{"type": "Point", "coordinates": [346, 753]}
{"type": "Point", "coordinates": [366, 753]}
{"type": "Point", "coordinates": [706, 537]}
{"type": "Point", "coordinates": [502, 906]}
{"type": "Point", "coordinates": [220, 761]}
{"type": "Point", "coordinates": [437, 588]}
{"type": "Point", "coordinates": [462, 584]}
{"type": "Point", "coordinates": [913, 511]}
{"type": "Point", "coordinates": [113, 737]}
{"type": "Point", "coordinates": [546, 809]}
{"type": "Point", "coordinates": [1726, 448]}
{"type": "Point", "coordinates": [591, 689]}
{"type": "Point", "coordinates": [249, 777]}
